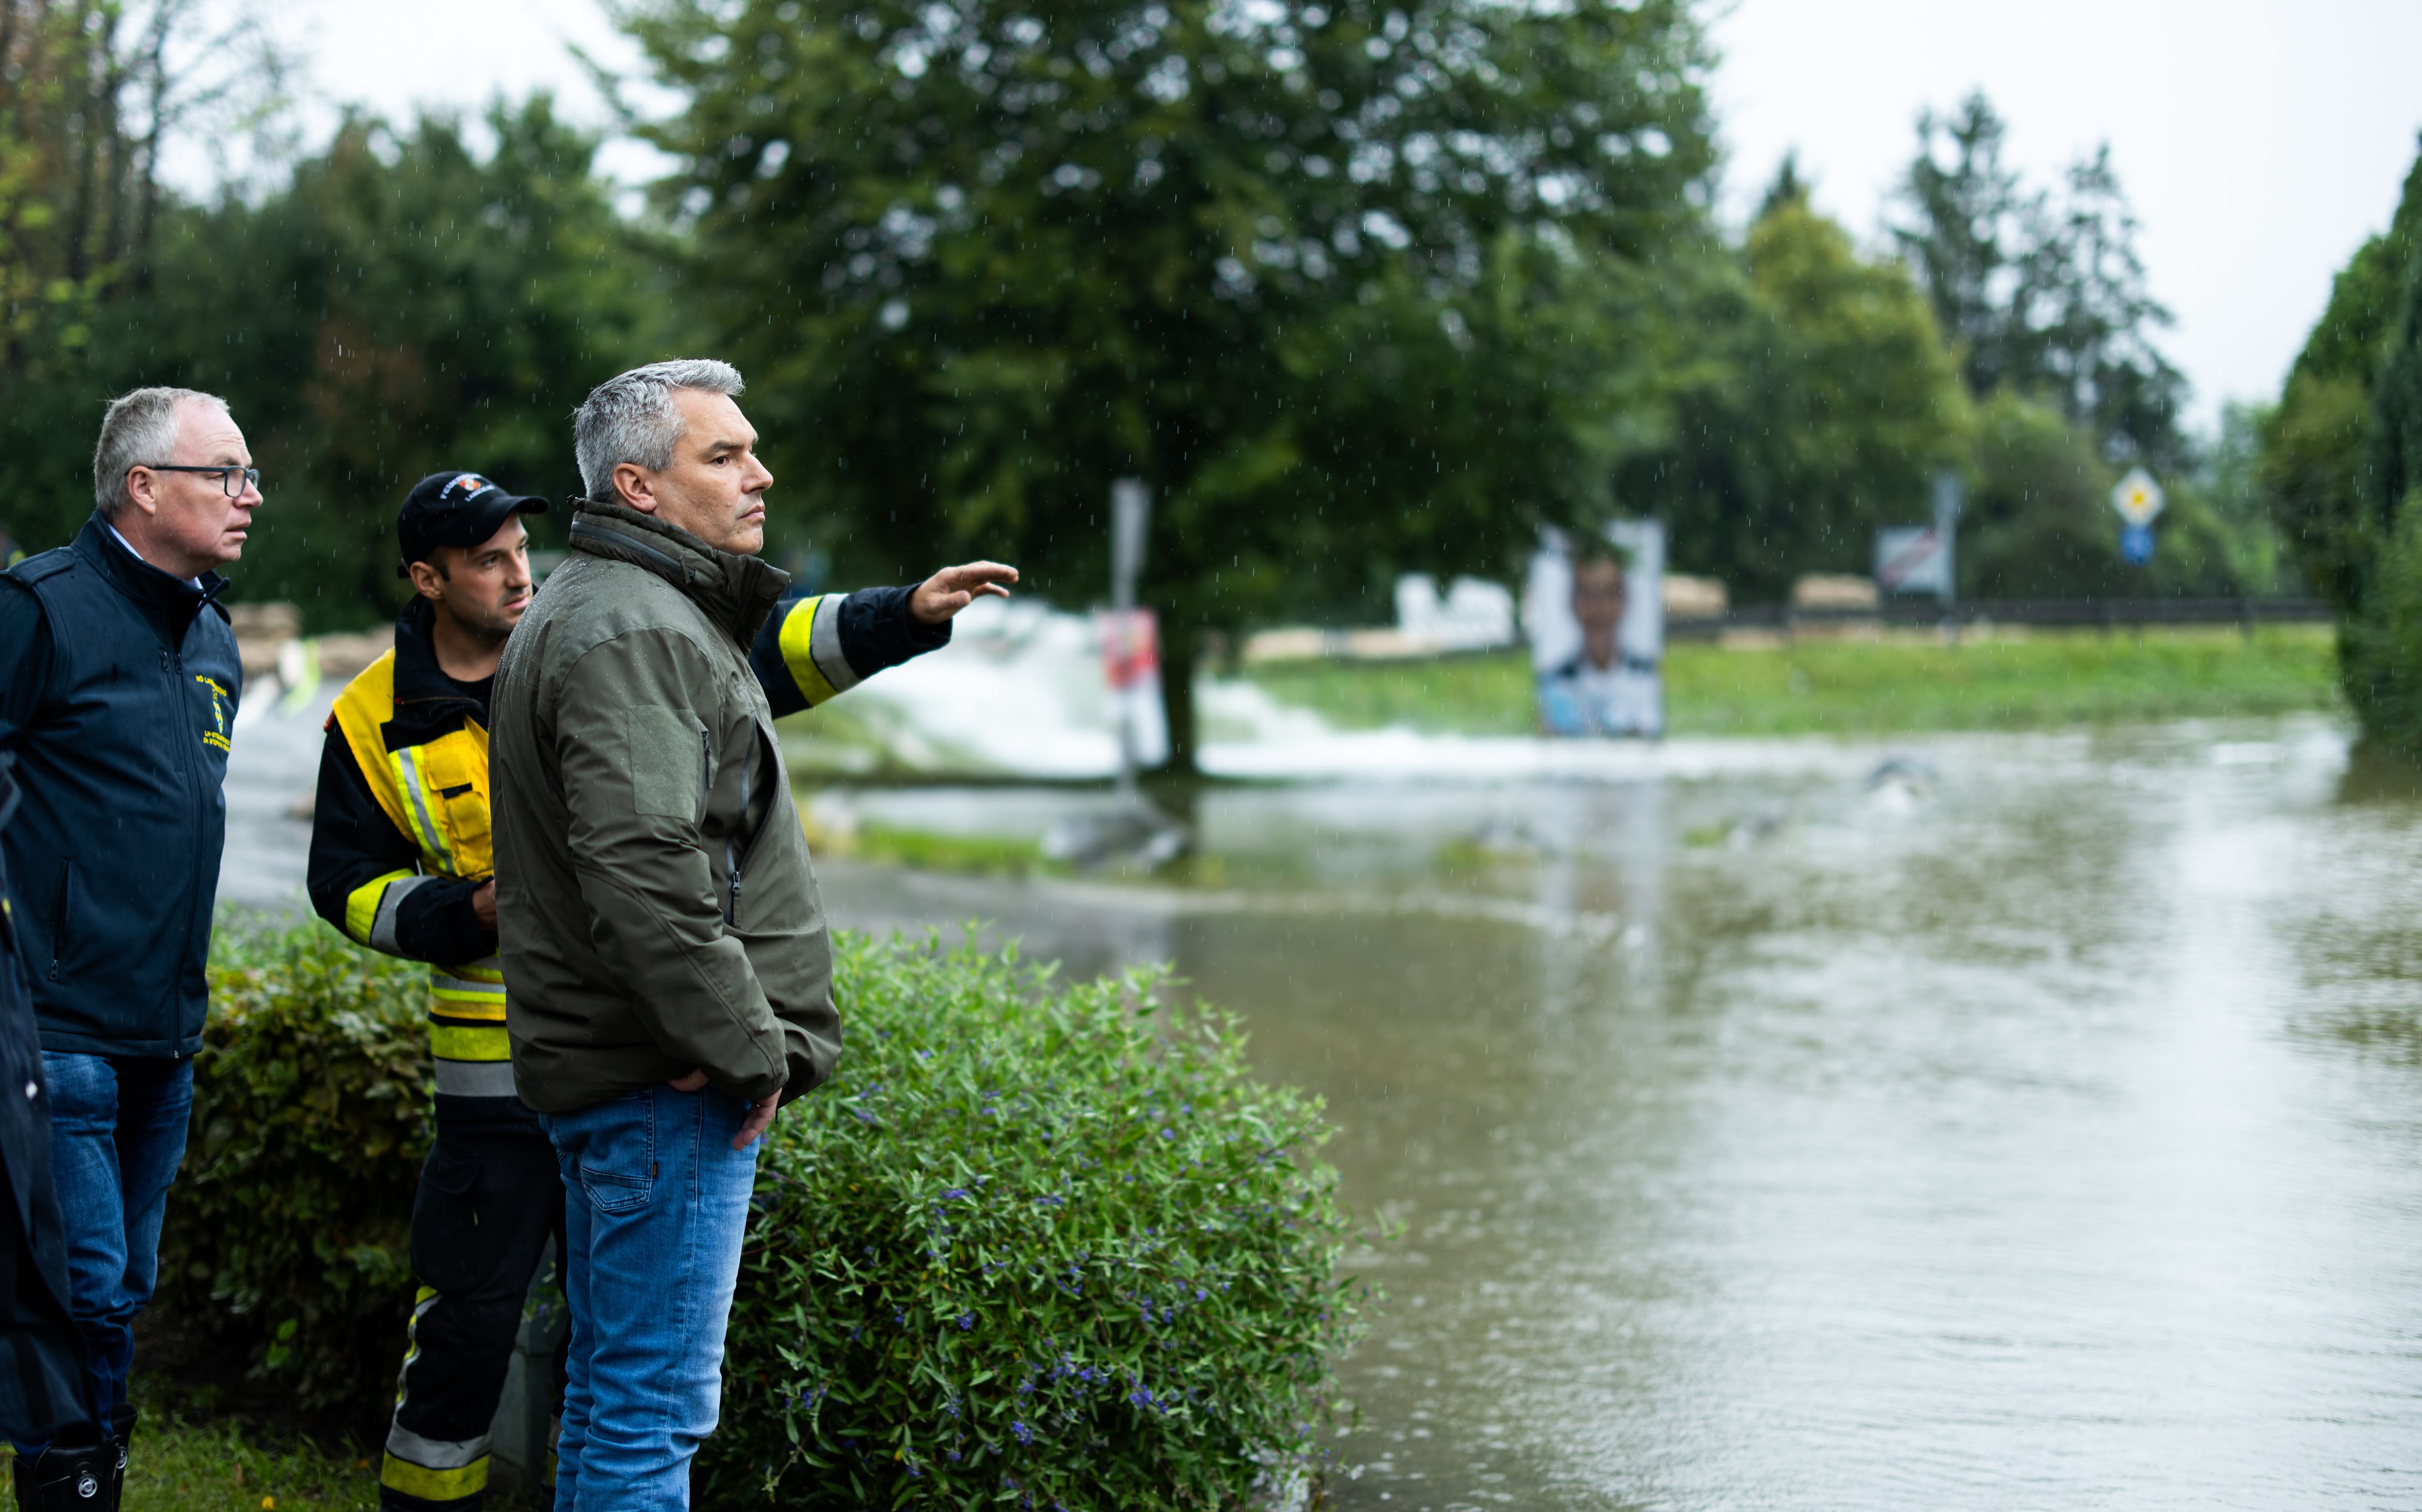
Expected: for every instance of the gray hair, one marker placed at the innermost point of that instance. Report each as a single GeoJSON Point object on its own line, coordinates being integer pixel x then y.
{"type": "Point", "coordinates": [139, 430]}
{"type": "Point", "coordinates": [631, 418]}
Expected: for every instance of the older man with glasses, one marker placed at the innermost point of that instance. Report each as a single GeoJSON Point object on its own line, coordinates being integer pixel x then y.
{"type": "Point", "coordinates": [119, 681]}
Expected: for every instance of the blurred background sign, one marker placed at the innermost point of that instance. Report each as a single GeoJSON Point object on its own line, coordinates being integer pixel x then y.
{"type": "Point", "coordinates": [2137, 497]}
{"type": "Point", "coordinates": [1912, 558]}
{"type": "Point", "coordinates": [1131, 670]}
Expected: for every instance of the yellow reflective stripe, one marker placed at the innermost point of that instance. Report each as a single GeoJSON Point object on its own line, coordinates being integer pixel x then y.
{"type": "Point", "coordinates": [361, 905]}
{"type": "Point", "coordinates": [458, 1042]}
{"type": "Point", "coordinates": [475, 1013]}
{"type": "Point", "coordinates": [434, 1484]}
{"type": "Point", "coordinates": [365, 705]}
{"type": "Point", "coordinates": [425, 830]}
{"type": "Point", "coordinates": [798, 651]}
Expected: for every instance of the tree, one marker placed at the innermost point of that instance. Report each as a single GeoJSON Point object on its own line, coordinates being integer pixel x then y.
{"type": "Point", "coordinates": [980, 258]}
{"type": "Point", "coordinates": [400, 306]}
{"type": "Point", "coordinates": [2319, 469]}
{"type": "Point", "coordinates": [2047, 300]}
{"type": "Point", "coordinates": [2342, 465]}
{"type": "Point", "coordinates": [1812, 400]}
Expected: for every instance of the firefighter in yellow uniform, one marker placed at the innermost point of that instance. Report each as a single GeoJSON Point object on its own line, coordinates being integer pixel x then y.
{"type": "Point", "coordinates": [401, 862]}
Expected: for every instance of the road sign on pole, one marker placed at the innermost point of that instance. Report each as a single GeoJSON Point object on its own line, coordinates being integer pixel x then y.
{"type": "Point", "coordinates": [2137, 497]}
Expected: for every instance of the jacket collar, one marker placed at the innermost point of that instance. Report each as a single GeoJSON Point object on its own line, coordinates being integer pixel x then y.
{"type": "Point", "coordinates": [142, 582]}
{"type": "Point", "coordinates": [418, 680]}
{"type": "Point", "coordinates": [737, 592]}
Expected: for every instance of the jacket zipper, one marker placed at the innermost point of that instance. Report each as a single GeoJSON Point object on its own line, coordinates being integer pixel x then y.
{"type": "Point", "coordinates": [735, 849]}
{"type": "Point", "coordinates": [705, 773]}
{"type": "Point", "coordinates": [59, 917]}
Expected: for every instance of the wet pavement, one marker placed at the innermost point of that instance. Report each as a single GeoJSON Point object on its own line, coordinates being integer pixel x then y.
{"type": "Point", "coordinates": [2037, 1125]}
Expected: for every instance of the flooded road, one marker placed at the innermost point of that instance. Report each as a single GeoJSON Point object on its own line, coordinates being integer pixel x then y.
{"type": "Point", "coordinates": [2042, 1127]}
{"type": "Point", "coordinates": [2039, 1127]}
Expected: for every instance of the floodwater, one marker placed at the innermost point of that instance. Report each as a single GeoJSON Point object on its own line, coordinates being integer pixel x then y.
{"type": "Point", "coordinates": [2042, 1127]}
{"type": "Point", "coordinates": [2039, 1127]}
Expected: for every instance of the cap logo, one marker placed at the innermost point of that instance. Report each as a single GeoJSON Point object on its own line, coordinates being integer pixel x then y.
{"type": "Point", "coordinates": [472, 485]}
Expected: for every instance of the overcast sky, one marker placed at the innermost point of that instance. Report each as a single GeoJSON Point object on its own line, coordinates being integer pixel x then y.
{"type": "Point", "coordinates": [2260, 140]}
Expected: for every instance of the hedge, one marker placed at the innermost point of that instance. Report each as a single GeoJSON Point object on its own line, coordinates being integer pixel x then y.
{"type": "Point", "coordinates": [287, 1246]}
{"type": "Point", "coordinates": [1039, 1244]}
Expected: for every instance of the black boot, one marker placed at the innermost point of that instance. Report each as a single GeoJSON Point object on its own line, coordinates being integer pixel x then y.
{"type": "Point", "coordinates": [73, 1474]}
{"type": "Point", "coordinates": [121, 1432]}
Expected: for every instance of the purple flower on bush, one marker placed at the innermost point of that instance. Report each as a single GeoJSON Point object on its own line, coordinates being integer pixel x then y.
{"type": "Point", "coordinates": [966, 1321]}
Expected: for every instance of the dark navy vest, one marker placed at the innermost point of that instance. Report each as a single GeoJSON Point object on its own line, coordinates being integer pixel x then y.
{"type": "Point", "coordinates": [115, 849]}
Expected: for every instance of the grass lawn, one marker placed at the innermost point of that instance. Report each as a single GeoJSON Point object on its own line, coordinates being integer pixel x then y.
{"type": "Point", "coordinates": [1853, 687]}
{"type": "Point", "coordinates": [218, 1466]}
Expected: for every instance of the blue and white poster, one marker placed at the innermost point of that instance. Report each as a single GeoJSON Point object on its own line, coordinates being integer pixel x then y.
{"type": "Point", "coordinates": [1594, 610]}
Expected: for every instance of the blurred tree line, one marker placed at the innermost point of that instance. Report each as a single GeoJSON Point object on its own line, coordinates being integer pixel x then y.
{"type": "Point", "coordinates": [2340, 464]}
{"type": "Point", "coordinates": [1356, 285]}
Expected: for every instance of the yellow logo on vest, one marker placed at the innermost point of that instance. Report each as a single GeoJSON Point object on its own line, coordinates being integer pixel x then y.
{"type": "Point", "coordinates": [217, 733]}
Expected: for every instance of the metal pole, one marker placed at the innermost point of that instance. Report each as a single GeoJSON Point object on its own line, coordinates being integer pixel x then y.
{"type": "Point", "coordinates": [1947, 499]}
{"type": "Point", "coordinates": [1130, 516]}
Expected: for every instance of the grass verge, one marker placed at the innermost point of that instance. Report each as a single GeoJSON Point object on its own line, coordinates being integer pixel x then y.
{"type": "Point", "coordinates": [1851, 688]}
{"type": "Point", "coordinates": [193, 1464]}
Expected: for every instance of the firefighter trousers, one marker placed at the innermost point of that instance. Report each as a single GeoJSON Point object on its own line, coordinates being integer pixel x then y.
{"type": "Point", "coordinates": [491, 1195]}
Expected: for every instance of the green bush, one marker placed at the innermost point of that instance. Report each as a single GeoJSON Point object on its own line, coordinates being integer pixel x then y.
{"type": "Point", "coordinates": [1038, 1246]}
{"type": "Point", "coordinates": [286, 1242]}
{"type": "Point", "coordinates": [2380, 644]}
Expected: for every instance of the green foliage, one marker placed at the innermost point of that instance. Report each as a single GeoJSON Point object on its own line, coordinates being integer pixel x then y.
{"type": "Point", "coordinates": [287, 1244]}
{"type": "Point", "coordinates": [2341, 465]}
{"type": "Point", "coordinates": [1812, 401]}
{"type": "Point", "coordinates": [1036, 1246]}
{"type": "Point", "coordinates": [2379, 650]}
{"type": "Point", "coordinates": [402, 305]}
{"type": "Point", "coordinates": [2334, 516]}
{"type": "Point", "coordinates": [990, 258]}
{"type": "Point", "coordinates": [1848, 687]}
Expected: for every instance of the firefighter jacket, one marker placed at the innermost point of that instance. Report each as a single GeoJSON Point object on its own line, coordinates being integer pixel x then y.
{"type": "Point", "coordinates": [401, 832]}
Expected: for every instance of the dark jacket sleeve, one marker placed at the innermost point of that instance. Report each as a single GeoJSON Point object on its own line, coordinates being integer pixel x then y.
{"type": "Point", "coordinates": [25, 660]}
{"type": "Point", "coordinates": [815, 647]}
{"type": "Point", "coordinates": [365, 874]}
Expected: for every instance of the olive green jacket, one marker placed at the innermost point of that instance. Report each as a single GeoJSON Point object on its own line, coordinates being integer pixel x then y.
{"type": "Point", "coordinates": [655, 908]}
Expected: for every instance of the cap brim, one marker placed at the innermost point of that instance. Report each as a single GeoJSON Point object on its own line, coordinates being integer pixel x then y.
{"type": "Point", "coordinates": [488, 515]}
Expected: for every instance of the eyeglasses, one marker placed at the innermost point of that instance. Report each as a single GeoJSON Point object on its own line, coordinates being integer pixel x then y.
{"type": "Point", "coordinates": [228, 476]}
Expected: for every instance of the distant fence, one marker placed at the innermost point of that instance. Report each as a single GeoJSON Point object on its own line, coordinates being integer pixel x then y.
{"type": "Point", "coordinates": [2081, 614]}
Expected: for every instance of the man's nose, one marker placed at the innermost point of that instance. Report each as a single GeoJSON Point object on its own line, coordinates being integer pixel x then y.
{"type": "Point", "coordinates": [760, 479]}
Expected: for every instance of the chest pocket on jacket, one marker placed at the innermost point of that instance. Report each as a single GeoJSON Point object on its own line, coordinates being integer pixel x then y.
{"type": "Point", "coordinates": [445, 787]}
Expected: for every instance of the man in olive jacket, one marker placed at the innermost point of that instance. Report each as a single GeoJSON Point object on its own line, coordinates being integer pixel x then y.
{"type": "Point", "coordinates": [668, 976]}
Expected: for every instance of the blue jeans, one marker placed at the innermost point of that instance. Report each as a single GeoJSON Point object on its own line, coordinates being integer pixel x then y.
{"type": "Point", "coordinates": [118, 1132]}
{"type": "Point", "coordinates": [656, 1204]}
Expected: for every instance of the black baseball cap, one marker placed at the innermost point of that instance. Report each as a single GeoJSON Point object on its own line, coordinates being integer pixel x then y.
{"type": "Point", "coordinates": [454, 509]}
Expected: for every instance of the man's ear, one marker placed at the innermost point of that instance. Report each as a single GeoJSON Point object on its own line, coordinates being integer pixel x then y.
{"type": "Point", "coordinates": [141, 486]}
{"type": "Point", "coordinates": [634, 487]}
{"type": "Point", "coordinates": [425, 581]}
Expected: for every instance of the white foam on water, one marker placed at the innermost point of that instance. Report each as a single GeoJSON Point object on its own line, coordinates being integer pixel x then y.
{"type": "Point", "coordinates": [1018, 692]}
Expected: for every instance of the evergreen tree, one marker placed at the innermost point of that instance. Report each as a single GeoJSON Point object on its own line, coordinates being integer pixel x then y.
{"type": "Point", "coordinates": [2046, 300]}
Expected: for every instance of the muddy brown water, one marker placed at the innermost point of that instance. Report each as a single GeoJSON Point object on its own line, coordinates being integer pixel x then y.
{"type": "Point", "coordinates": [2039, 1127]}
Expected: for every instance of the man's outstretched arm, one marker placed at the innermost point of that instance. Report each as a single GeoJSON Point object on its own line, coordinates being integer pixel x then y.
{"type": "Point", "coordinates": [816, 646]}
